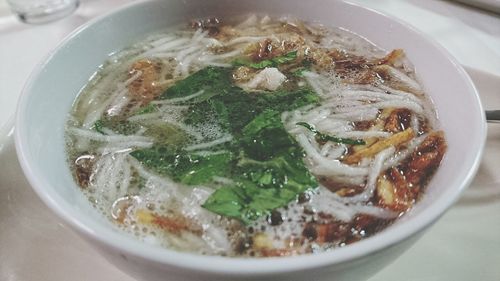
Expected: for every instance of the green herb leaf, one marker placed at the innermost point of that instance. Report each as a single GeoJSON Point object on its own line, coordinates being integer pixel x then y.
{"type": "Point", "coordinates": [288, 57]}
{"type": "Point", "coordinates": [243, 61]}
{"type": "Point", "coordinates": [263, 160]}
{"type": "Point", "coordinates": [187, 168]}
{"type": "Point", "coordinates": [98, 125]}
{"type": "Point", "coordinates": [116, 125]}
{"type": "Point", "coordinates": [263, 187]}
{"type": "Point", "coordinates": [264, 137]}
{"type": "Point", "coordinates": [150, 108]}
{"type": "Point", "coordinates": [225, 201]}
{"type": "Point", "coordinates": [269, 173]}
{"type": "Point", "coordinates": [210, 80]}
{"type": "Point", "coordinates": [167, 134]}
{"type": "Point", "coordinates": [325, 137]}
{"type": "Point", "coordinates": [262, 64]}
{"type": "Point", "coordinates": [306, 66]}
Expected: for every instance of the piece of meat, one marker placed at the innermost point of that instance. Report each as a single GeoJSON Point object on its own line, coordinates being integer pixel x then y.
{"type": "Point", "coordinates": [326, 232]}
{"type": "Point", "coordinates": [270, 48]}
{"type": "Point", "coordinates": [393, 58]}
{"type": "Point", "coordinates": [173, 223]}
{"type": "Point", "coordinates": [212, 25]}
{"type": "Point", "coordinates": [329, 230]}
{"type": "Point", "coordinates": [265, 50]}
{"type": "Point", "coordinates": [145, 87]}
{"type": "Point", "coordinates": [83, 169]}
{"type": "Point", "coordinates": [354, 69]}
{"type": "Point", "coordinates": [399, 120]}
{"type": "Point", "coordinates": [393, 192]}
{"type": "Point", "coordinates": [262, 245]}
{"type": "Point", "coordinates": [426, 158]}
{"type": "Point", "coordinates": [345, 60]}
{"type": "Point", "coordinates": [279, 252]}
{"type": "Point", "coordinates": [363, 125]}
{"type": "Point", "coordinates": [366, 225]}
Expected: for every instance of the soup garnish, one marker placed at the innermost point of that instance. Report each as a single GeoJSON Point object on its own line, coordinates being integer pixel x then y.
{"type": "Point", "coordinates": [255, 137]}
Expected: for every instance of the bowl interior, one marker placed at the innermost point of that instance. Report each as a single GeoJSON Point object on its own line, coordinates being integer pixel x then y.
{"type": "Point", "coordinates": [51, 90]}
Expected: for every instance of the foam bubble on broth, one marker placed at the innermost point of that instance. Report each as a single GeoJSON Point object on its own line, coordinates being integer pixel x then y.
{"type": "Point", "coordinates": [176, 151]}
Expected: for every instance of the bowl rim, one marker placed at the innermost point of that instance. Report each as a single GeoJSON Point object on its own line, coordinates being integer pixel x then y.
{"type": "Point", "coordinates": [231, 265]}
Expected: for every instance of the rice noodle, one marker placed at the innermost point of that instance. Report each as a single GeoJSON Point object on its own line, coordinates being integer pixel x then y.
{"type": "Point", "coordinates": [325, 166]}
{"type": "Point", "coordinates": [109, 177]}
{"type": "Point", "coordinates": [327, 202]}
{"type": "Point", "coordinates": [244, 39]}
{"type": "Point", "coordinates": [415, 107]}
{"type": "Point", "coordinates": [364, 114]}
{"type": "Point", "coordinates": [364, 134]}
{"type": "Point", "coordinates": [224, 139]}
{"type": "Point", "coordinates": [221, 56]}
{"type": "Point", "coordinates": [318, 83]}
{"type": "Point", "coordinates": [405, 79]}
{"type": "Point", "coordinates": [389, 95]}
{"type": "Point", "coordinates": [124, 146]}
{"type": "Point", "coordinates": [209, 152]}
{"type": "Point", "coordinates": [167, 46]}
{"type": "Point", "coordinates": [375, 170]}
{"type": "Point", "coordinates": [120, 94]}
{"type": "Point", "coordinates": [162, 182]}
{"type": "Point", "coordinates": [405, 153]}
{"type": "Point", "coordinates": [99, 137]}
{"type": "Point", "coordinates": [223, 180]}
{"type": "Point", "coordinates": [162, 40]}
{"type": "Point", "coordinates": [179, 100]}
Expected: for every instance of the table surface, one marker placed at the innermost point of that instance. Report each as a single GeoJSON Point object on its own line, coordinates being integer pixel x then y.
{"type": "Point", "coordinates": [463, 245]}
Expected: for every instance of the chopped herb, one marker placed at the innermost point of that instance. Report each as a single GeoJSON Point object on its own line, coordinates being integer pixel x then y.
{"type": "Point", "coordinates": [262, 64]}
{"type": "Point", "coordinates": [265, 137]}
{"type": "Point", "coordinates": [212, 80]}
{"type": "Point", "coordinates": [263, 161]}
{"type": "Point", "coordinates": [286, 58]}
{"type": "Point", "coordinates": [150, 108]}
{"type": "Point", "coordinates": [306, 66]}
{"type": "Point", "coordinates": [117, 125]}
{"type": "Point", "coordinates": [98, 125]}
{"type": "Point", "coordinates": [325, 137]}
{"type": "Point", "coordinates": [262, 186]}
{"type": "Point", "coordinates": [167, 134]}
{"type": "Point", "coordinates": [184, 167]}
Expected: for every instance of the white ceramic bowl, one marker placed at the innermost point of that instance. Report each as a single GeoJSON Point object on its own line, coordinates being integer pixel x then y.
{"type": "Point", "coordinates": [54, 84]}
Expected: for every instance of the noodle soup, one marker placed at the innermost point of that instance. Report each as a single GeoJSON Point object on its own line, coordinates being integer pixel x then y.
{"type": "Point", "coordinates": [254, 137]}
